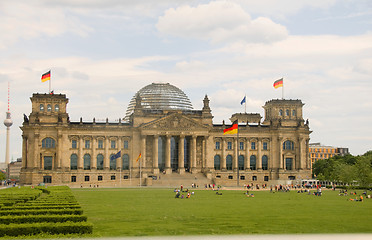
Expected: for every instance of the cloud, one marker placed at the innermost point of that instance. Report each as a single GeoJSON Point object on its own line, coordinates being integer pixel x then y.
{"type": "Point", "coordinates": [24, 21]}
{"type": "Point", "coordinates": [219, 22]}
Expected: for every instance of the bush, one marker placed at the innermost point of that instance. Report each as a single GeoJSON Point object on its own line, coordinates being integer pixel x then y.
{"type": "Point", "coordinates": [41, 218]}
{"type": "Point", "coordinates": [50, 228]}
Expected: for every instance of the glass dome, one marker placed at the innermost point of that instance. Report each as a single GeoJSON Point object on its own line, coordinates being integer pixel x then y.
{"type": "Point", "coordinates": [160, 96]}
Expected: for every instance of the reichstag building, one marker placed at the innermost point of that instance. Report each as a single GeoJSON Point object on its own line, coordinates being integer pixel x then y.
{"type": "Point", "coordinates": [163, 140]}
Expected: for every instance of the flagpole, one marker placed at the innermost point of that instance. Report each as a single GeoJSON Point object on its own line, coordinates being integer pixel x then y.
{"type": "Point", "coordinates": [237, 144]}
{"type": "Point", "coordinates": [283, 89]}
{"type": "Point", "coordinates": [140, 173]}
{"type": "Point", "coordinates": [245, 104]}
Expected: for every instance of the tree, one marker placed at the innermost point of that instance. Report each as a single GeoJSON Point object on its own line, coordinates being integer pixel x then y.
{"type": "Point", "coordinates": [364, 170]}
{"type": "Point", "coordinates": [2, 176]}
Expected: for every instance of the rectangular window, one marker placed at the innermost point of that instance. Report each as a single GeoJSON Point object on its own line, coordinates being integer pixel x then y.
{"type": "Point", "coordinates": [126, 145]}
{"type": "Point", "coordinates": [253, 145]}
{"type": "Point", "coordinates": [87, 144]}
{"type": "Point", "coordinates": [264, 146]}
{"type": "Point", "coordinates": [113, 177]}
{"type": "Point", "coordinates": [100, 178]}
{"type": "Point", "coordinates": [73, 178]}
{"type": "Point", "coordinates": [229, 145]}
{"type": "Point", "coordinates": [48, 163]}
{"type": "Point", "coordinates": [218, 146]}
{"type": "Point", "coordinates": [242, 177]}
{"type": "Point", "coordinates": [126, 177]}
{"type": "Point", "coordinates": [113, 144]}
{"type": "Point", "coordinates": [100, 144]}
{"type": "Point", "coordinates": [241, 145]}
{"type": "Point", "coordinates": [47, 179]}
{"type": "Point", "coordinates": [231, 177]}
{"type": "Point", "coordinates": [86, 178]}
{"type": "Point", "coordinates": [73, 144]}
{"type": "Point", "coordinates": [266, 178]}
{"type": "Point", "coordinates": [288, 163]}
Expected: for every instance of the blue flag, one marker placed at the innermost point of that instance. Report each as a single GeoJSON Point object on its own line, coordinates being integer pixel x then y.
{"type": "Point", "coordinates": [115, 156]}
{"type": "Point", "coordinates": [243, 101]}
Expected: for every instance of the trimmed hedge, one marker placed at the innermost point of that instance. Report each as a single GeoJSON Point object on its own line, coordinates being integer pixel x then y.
{"type": "Point", "coordinates": [41, 218]}
{"type": "Point", "coordinates": [49, 228]}
{"type": "Point", "coordinates": [34, 207]}
{"type": "Point", "coordinates": [42, 212]}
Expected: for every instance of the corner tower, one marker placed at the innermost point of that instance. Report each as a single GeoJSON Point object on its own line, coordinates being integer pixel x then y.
{"type": "Point", "coordinates": [287, 112]}
{"type": "Point", "coordinates": [48, 108]}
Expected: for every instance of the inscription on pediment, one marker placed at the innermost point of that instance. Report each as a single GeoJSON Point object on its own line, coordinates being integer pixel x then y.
{"type": "Point", "coordinates": [175, 122]}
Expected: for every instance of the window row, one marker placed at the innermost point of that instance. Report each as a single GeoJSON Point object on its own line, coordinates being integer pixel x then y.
{"type": "Point", "coordinates": [99, 178]}
{"type": "Point", "coordinates": [252, 162]}
{"type": "Point", "coordinates": [242, 177]}
{"type": "Point", "coordinates": [241, 146]}
{"type": "Point", "coordinates": [49, 108]}
{"type": "Point", "coordinates": [51, 143]}
{"type": "Point", "coordinates": [287, 112]}
{"type": "Point", "coordinates": [100, 160]}
{"type": "Point", "coordinates": [100, 145]}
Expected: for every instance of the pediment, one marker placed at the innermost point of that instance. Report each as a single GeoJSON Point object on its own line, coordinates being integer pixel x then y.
{"type": "Point", "coordinates": [174, 122]}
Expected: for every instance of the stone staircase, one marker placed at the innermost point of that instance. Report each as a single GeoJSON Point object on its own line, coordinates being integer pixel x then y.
{"type": "Point", "coordinates": [174, 180]}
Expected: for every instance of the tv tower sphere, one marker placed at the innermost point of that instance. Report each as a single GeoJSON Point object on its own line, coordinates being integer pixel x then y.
{"type": "Point", "coordinates": [8, 121]}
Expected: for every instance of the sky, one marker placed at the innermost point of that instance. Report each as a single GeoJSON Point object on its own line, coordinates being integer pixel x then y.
{"type": "Point", "coordinates": [101, 53]}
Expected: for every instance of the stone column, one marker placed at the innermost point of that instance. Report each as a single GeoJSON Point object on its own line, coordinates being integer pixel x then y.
{"type": "Point", "coordinates": [94, 157]}
{"type": "Point", "coordinates": [193, 154]}
{"type": "Point", "coordinates": [24, 151]}
{"type": "Point", "coordinates": [247, 160]}
{"type": "Point", "coordinates": [223, 157]}
{"type": "Point", "coordinates": [155, 155]}
{"type": "Point", "coordinates": [143, 151]}
{"type": "Point", "coordinates": [236, 153]}
{"type": "Point", "coordinates": [119, 161]}
{"type": "Point", "coordinates": [168, 169]}
{"type": "Point", "coordinates": [59, 146]}
{"type": "Point", "coordinates": [181, 155]}
{"type": "Point", "coordinates": [80, 162]}
{"type": "Point", "coordinates": [36, 162]}
{"type": "Point", "coordinates": [106, 161]}
{"type": "Point", "coordinates": [259, 155]}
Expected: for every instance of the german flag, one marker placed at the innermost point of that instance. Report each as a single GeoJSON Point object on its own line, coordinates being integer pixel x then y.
{"type": "Point", "coordinates": [278, 83]}
{"type": "Point", "coordinates": [231, 130]}
{"type": "Point", "coordinates": [45, 77]}
{"type": "Point", "coordinates": [139, 157]}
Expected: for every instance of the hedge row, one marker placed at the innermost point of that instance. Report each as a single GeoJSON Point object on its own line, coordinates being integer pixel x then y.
{"type": "Point", "coordinates": [41, 218]}
{"type": "Point", "coordinates": [42, 212]}
{"type": "Point", "coordinates": [34, 207]}
{"type": "Point", "coordinates": [50, 228]}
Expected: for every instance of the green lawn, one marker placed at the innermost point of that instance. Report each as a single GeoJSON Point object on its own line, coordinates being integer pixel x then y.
{"type": "Point", "coordinates": [151, 212]}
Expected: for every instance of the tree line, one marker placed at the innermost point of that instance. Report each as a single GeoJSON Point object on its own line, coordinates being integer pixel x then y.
{"type": "Point", "coordinates": [348, 169]}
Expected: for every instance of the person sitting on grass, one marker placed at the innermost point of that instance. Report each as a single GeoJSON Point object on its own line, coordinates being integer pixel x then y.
{"type": "Point", "coordinates": [188, 195]}
{"type": "Point", "coordinates": [177, 195]}
{"type": "Point", "coordinates": [218, 193]}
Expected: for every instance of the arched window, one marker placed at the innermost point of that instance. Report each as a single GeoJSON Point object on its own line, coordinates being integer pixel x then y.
{"type": "Point", "coordinates": [112, 162]}
{"type": "Point", "coordinates": [288, 145]}
{"type": "Point", "coordinates": [99, 162]}
{"type": "Point", "coordinates": [217, 162]}
{"type": "Point", "coordinates": [287, 112]}
{"type": "Point", "coordinates": [293, 113]}
{"type": "Point", "coordinates": [252, 161]}
{"type": "Point", "coordinates": [229, 162]}
{"type": "Point", "coordinates": [265, 162]}
{"type": "Point", "coordinates": [125, 162]}
{"type": "Point", "coordinates": [86, 162]}
{"type": "Point", "coordinates": [41, 107]}
{"type": "Point", "coordinates": [48, 143]}
{"type": "Point", "coordinates": [241, 162]}
{"type": "Point", "coordinates": [280, 112]}
{"type": "Point", "coordinates": [56, 108]}
{"type": "Point", "coordinates": [49, 108]}
{"type": "Point", "coordinates": [73, 162]}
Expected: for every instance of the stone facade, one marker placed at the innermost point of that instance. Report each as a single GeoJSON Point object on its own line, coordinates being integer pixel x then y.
{"type": "Point", "coordinates": [183, 142]}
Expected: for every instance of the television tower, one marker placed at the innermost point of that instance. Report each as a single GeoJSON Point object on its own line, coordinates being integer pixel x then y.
{"type": "Point", "coordinates": [8, 123]}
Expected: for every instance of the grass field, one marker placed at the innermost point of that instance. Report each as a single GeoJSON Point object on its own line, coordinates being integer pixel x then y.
{"type": "Point", "coordinates": [155, 212]}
